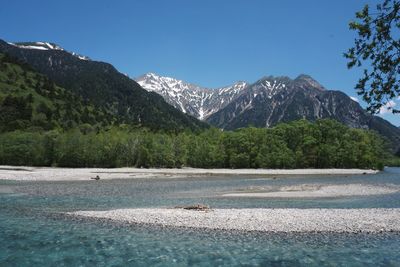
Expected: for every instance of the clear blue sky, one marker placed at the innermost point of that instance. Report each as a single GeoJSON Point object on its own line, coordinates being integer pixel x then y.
{"type": "Point", "coordinates": [211, 42]}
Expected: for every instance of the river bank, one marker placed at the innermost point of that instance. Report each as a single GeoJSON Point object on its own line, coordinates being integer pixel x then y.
{"type": "Point", "coordinates": [22, 173]}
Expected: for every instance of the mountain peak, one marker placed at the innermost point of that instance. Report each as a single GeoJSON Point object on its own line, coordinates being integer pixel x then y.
{"type": "Point", "coordinates": [276, 79]}
{"type": "Point", "coordinates": [240, 82]}
{"type": "Point", "coordinates": [154, 82]}
{"type": "Point", "coordinates": [303, 77]}
{"type": "Point", "coordinates": [308, 80]}
{"type": "Point", "coordinates": [151, 75]}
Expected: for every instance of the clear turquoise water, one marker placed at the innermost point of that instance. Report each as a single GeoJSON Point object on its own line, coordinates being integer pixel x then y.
{"type": "Point", "coordinates": [33, 234]}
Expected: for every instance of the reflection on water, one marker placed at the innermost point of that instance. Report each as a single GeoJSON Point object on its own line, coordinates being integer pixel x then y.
{"type": "Point", "coordinates": [32, 236]}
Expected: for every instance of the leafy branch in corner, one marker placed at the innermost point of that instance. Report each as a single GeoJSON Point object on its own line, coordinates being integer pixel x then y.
{"type": "Point", "coordinates": [377, 48]}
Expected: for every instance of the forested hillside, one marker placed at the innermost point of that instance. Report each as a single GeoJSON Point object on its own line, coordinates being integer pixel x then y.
{"type": "Point", "coordinates": [30, 101]}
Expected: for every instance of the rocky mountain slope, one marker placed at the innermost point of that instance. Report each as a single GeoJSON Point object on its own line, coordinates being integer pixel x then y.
{"type": "Point", "coordinates": [102, 85]}
{"type": "Point", "coordinates": [189, 98]}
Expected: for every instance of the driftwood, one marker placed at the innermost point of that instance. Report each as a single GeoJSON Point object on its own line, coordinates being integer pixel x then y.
{"type": "Point", "coordinates": [198, 207]}
{"type": "Point", "coordinates": [95, 178]}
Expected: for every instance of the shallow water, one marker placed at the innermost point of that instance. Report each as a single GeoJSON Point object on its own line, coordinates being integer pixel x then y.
{"type": "Point", "coordinates": [31, 233]}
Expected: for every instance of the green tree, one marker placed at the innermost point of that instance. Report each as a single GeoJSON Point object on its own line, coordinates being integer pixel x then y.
{"type": "Point", "coordinates": [274, 153]}
{"type": "Point", "coordinates": [377, 47]}
{"type": "Point", "coordinates": [23, 148]}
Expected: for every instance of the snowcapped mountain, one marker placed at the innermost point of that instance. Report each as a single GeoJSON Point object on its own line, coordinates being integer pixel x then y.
{"type": "Point", "coordinates": [45, 46]}
{"type": "Point", "coordinates": [189, 98]}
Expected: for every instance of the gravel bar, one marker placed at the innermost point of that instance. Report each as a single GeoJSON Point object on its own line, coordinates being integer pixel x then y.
{"type": "Point", "coordinates": [263, 220]}
{"type": "Point", "coordinates": [319, 191]}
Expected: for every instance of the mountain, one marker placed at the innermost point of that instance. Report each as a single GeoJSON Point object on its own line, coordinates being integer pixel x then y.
{"type": "Point", "coordinates": [272, 100]}
{"type": "Point", "coordinates": [267, 102]}
{"type": "Point", "coordinates": [189, 98]}
{"type": "Point", "coordinates": [101, 85]}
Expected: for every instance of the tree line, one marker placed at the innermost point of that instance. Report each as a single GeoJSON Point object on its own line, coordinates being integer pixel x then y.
{"type": "Point", "coordinates": [298, 144]}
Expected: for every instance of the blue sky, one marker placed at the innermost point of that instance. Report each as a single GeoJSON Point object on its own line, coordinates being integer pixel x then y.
{"type": "Point", "coordinates": [211, 43]}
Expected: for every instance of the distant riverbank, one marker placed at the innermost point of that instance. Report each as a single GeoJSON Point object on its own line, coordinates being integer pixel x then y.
{"type": "Point", "coordinates": [68, 174]}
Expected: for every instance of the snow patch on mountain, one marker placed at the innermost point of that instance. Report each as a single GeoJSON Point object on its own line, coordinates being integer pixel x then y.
{"type": "Point", "coordinates": [80, 56]}
{"type": "Point", "coordinates": [37, 45]}
{"type": "Point", "coordinates": [45, 46]}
